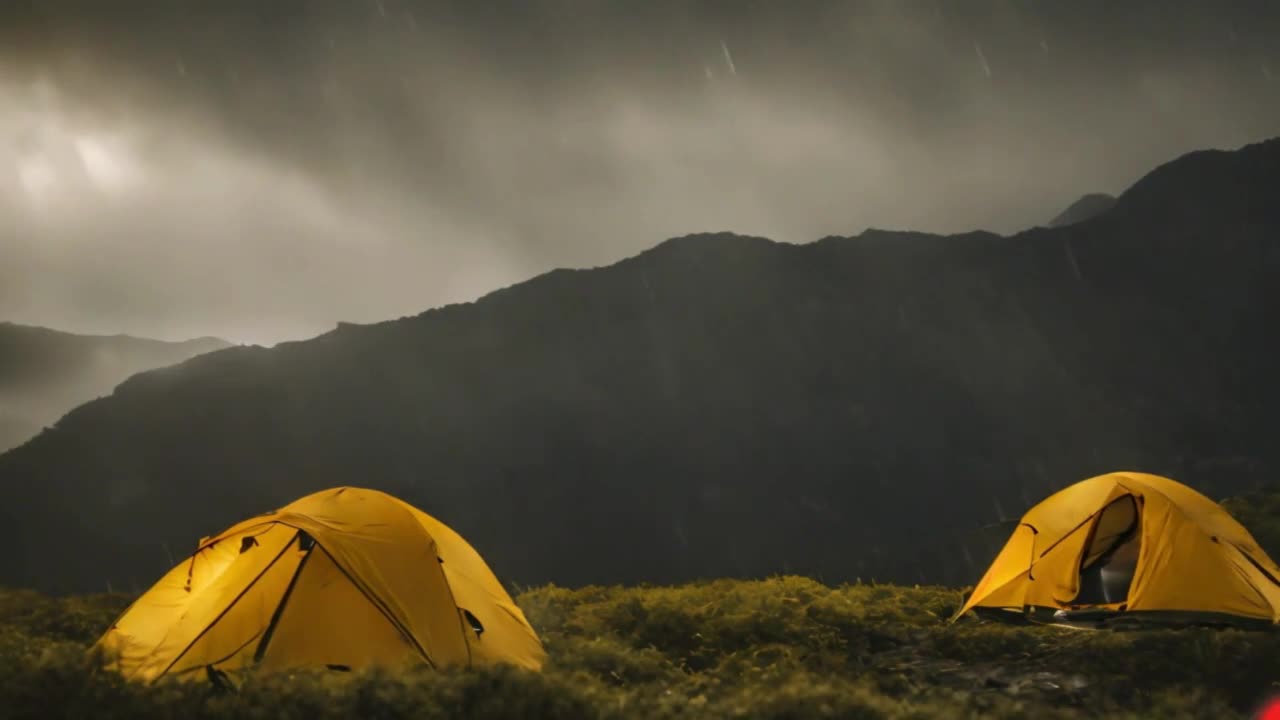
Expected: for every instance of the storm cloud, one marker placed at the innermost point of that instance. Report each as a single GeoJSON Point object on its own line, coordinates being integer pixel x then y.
{"type": "Point", "coordinates": [259, 171]}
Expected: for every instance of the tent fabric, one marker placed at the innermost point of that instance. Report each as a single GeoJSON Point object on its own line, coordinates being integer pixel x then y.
{"type": "Point", "coordinates": [1185, 553]}
{"type": "Point", "coordinates": [343, 578]}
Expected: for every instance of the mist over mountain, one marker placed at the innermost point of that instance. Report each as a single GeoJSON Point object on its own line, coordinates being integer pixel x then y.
{"type": "Point", "coordinates": [718, 405]}
{"type": "Point", "coordinates": [1086, 208]}
{"type": "Point", "coordinates": [14, 430]}
{"type": "Point", "coordinates": [45, 373]}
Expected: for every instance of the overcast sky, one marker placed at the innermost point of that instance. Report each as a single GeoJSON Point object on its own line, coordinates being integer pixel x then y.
{"type": "Point", "coordinates": [261, 170]}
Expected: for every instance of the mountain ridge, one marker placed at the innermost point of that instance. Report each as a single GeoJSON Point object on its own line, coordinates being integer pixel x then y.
{"type": "Point", "coordinates": [45, 372]}
{"type": "Point", "coordinates": [23, 327]}
{"type": "Point", "coordinates": [868, 400]}
{"type": "Point", "coordinates": [1086, 208]}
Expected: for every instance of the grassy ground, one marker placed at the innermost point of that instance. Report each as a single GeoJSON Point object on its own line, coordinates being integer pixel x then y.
{"type": "Point", "coordinates": [781, 648]}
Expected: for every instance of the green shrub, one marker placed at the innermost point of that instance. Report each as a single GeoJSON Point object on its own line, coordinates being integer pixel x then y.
{"type": "Point", "coordinates": [79, 619]}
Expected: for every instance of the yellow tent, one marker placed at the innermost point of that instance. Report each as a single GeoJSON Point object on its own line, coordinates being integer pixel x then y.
{"type": "Point", "coordinates": [344, 579]}
{"type": "Point", "coordinates": [1133, 543]}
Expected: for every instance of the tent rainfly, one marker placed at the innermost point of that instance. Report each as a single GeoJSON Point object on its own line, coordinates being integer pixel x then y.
{"type": "Point", "coordinates": [342, 579]}
{"type": "Point", "coordinates": [1132, 544]}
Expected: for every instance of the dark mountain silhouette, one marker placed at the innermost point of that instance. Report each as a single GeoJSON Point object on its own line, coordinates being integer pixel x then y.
{"type": "Point", "coordinates": [45, 373]}
{"type": "Point", "coordinates": [719, 405]}
{"type": "Point", "coordinates": [1086, 208]}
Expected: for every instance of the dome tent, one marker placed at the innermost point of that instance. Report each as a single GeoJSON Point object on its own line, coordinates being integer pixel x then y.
{"type": "Point", "coordinates": [342, 579]}
{"type": "Point", "coordinates": [1134, 545]}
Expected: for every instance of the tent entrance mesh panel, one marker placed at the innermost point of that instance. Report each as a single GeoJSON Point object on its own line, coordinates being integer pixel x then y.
{"type": "Point", "coordinates": [1107, 566]}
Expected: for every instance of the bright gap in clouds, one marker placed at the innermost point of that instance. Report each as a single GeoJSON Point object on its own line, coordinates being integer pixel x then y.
{"type": "Point", "coordinates": [54, 159]}
{"type": "Point", "coordinates": [107, 164]}
{"type": "Point", "coordinates": [164, 229]}
{"type": "Point", "coordinates": [63, 166]}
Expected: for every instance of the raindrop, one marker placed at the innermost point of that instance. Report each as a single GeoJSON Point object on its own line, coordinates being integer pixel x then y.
{"type": "Point", "coordinates": [982, 57]}
{"type": "Point", "coordinates": [728, 58]}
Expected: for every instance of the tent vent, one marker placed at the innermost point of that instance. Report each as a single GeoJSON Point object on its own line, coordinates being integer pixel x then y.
{"type": "Point", "coordinates": [305, 541]}
{"type": "Point", "coordinates": [247, 543]}
{"type": "Point", "coordinates": [473, 621]}
{"type": "Point", "coordinates": [1258, 565]}
{"type": "Point", "coordinates": [339, 668]}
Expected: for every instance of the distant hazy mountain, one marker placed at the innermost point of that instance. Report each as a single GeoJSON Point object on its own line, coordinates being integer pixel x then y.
{"type": "Point", "coordinates": [1086, 208]}
{"type": "Point", "coordinates": [45, 373]}
{"type": "Point", "coordinates": [15, 429]}
{"type": "Point", "coordinates": [719, 405]}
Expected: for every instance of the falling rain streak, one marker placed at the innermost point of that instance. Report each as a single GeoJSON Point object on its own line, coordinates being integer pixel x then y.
{"type": "Point", "coordinates": [728, 58]}
{"type": "Point", "coordinates": [982, 58]}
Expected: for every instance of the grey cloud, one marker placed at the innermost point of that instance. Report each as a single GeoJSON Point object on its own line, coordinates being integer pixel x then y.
{"type": "Point", "coordinates": [302, 163]}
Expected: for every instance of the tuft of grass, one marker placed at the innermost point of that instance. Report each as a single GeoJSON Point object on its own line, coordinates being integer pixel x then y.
{"type": "Point", "coordinates": [78, 618]}
{"type": "Point", "coordinates": [784, 647]}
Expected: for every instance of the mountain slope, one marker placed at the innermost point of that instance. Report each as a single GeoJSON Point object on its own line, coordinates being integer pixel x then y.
{"type": "Point", "coordinates": [718, 405]}
{"type": "Point", "coordinates": [1086, 208]}
{"type": "Point", "coordinates": [45, 373]}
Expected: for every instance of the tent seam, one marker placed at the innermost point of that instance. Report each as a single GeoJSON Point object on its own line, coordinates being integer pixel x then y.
{"type": "Point", "coordinates": [227, 609]}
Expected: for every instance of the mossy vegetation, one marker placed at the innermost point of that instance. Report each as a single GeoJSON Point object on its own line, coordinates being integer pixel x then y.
{"type": "Point", "coordinates": [786, 647]}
